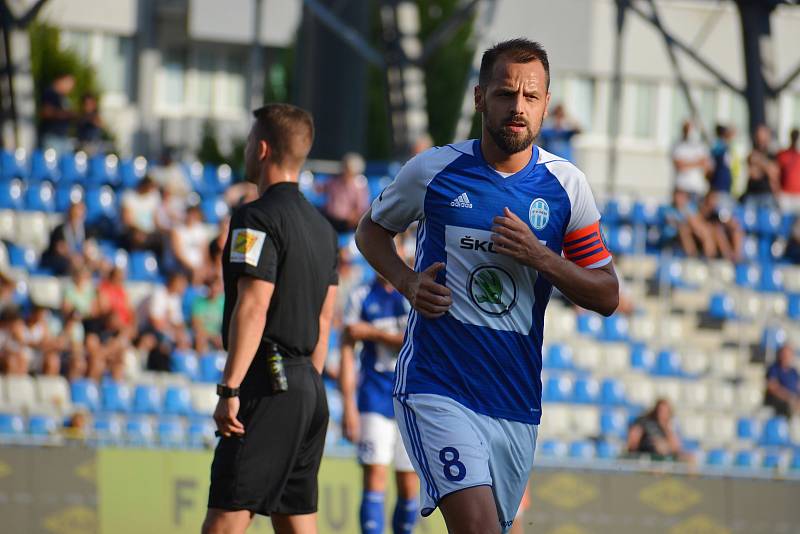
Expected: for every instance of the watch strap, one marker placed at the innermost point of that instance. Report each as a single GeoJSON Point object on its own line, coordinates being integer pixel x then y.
{"type": "Point", "coordinates": [227, 392]}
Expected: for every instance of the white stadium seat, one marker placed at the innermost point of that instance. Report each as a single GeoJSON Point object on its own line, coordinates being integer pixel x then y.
{"type": "Point", "coordinates": [53, 392]}
{"type": "Point", "coordinates": [695, 394]}
{"type": "Point", "coordinates": [670, 389]}
{"type": "Point", "coordinates": [8, 227]}
{"type": "Point", "coordinates": [694, 361]}
{"type": "Point", "coordinates": [20, 392]}
{"type": "Point", "coordinates": [587, 356]}
{"type": "Point", "coordinates": [721, 395]}
{"type": "Point", "coordinates": [138, 291]}
{"type": "Point", "coordinates": [724, 363]}
{"type": "Point", "coordinates": [639, 390]}
{"type": "Point", "coordinates": [693, 426]}
{"type": "Point", "coordinates": [615, 359]}
{"type": "Point", "coordinates": [33, 230]}
{"type": "Point", "coordinates": [721, 429]}
{"type": "Point", "coordinates": [45, 291]}
{"type": "Point", "coordinates": [585, 421]}
{"type": "Point", "coordinates": [556, 420]}
{"type": "Point", "coordinates": [204, 398]}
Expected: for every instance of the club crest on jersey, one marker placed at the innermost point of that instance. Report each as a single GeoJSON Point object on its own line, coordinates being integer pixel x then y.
{"type": "Point", "coordinates": [492, 290]}
{"type": "Point", "coordinates": [539, 213]}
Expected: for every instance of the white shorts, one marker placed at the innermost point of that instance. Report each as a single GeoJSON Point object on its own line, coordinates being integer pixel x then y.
{"type": "Point", "coordinates": [380, 443]}
{"type": "Point", "coordinates": [453, 448]}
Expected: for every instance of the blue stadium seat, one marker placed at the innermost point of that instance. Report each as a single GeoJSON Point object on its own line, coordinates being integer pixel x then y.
{"type": "Point", "coordinates": [185, 363]}
{"type": "Point", "coordinates": [22, 257]}
{"type": "Point", "coordinates": [717, 457]}
{"type": "Point", "coordinates": [40, 197]}
{"type": "Point", "coordinates": [85, 394]}
{"type": "Point", "coordinates": [335, 404]}
{"type": "Point", "coordinates": [211, 366]}
{"type": "Point", "coordinates": [722, 306]}
{"type": "Point", "coordinates": [67, 194]}
{"type": "Point", "coordinates": [771, 279]}
{"type": "Point", "coordinates": [224, 178]}
{"type": "Point", "coordinates": [793, 306]}
{"type": "Point", "coordinates": [177, 401]}
{"type": "Point", "coordinates": [750, 249]}
{"type": "Point", "coordinates": [581, 450]}
{"type": "Point", "coordinates": [613, 424]}
{"type": "Point", "coordinates": [214, 210]}
{"type": "Point", "coordinates": [773, 337]}
{"type": "Point", "coordinates": [616, 211]}
{"type": "Point", "coordinates": [72, 168]}
{"type": "Point", "coordinates": [775, 433]}
{"type": "Point", "coordinates": [115, 256]}
{"type": "Point", "coordinates": [589, 324]}
{"type": "Point", "coordinates": [612, 392]}
{"type": "Point", "coordinates": [200, 432]}
{"type": "Point", "coordinates": [671, 273]}
{"type": "Point", "coordinates": [42, 425]}
{"type": "Point", "coordinates": [787, 221]}
{"type": "Point", "coordinates": [768, 221]}
{"type": "Point", "coordinates": [100, 203]}
{"type": "Point", "coordinates": [558, 389]}
{"type": "Point", "coordinates": [644, 213]}
{"type": "Point", "coordinates": [146, 399]}
{"type": "Point", "coordinates": [189, 296]}
{"type": "Point", "coordinates": [170, 432]}
{"type": "Point", "coordinates": [747, 275]}
{"type": "Point", "coordinates": [558, 356]}
{"type": "Point", "coordinates": [552, 448]}
{"type": "Point", "coordinates": [749, 219]}
{"type": "Point", "coordinates": [116, 396]}
{"type": "Point", "coordinates": [11, 425]}
{"type": "Point", "coordinates": [586, 391]}
{"type": "Point", "coordinates": [143, 266]}
{"type": "Point", "coordinates": [794, 465]}
{"type": "Point", "coordinates": [43, 165]}
{"type": "Point", "coordinates": [615, 328]}
{"type": "Point", "coordinates": [139, 432]}
{"type": "Point", "coordinates": [771, 459]}
{"type": "Point", "coordinates": [107, 429]}
{"type": "Point", "coordinates": [12, 195]}
{"type": "Point", "coordinates": [667, 364]}
{"type": "Point", "coordinates": [620, 239]}
{"type": "Point", "coordinates": [606, 450]}
{"type": "Point", "coordinates": [745, 458]}
{"type": "Point", "coordinates": [642, 358]}
{"type": "Point", "coordinates": [11, 166]}
{"type": "Point", "coordinates": [747, 429]}
{"type": "Point", "coordinates": [100, 170]}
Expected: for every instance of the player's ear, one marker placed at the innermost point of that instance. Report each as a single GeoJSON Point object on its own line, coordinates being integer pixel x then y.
{"type": "Point", "coordinates": [264, 150]}
{"type": "Point", "coordinates": [480, 104]}
{"type": "Point", "coordinates": [546, 105]}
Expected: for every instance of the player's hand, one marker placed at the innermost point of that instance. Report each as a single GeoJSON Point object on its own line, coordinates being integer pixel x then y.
{"type": "Point", "coordinates": [430, 299]}
{"type": "Point", "coordinates": [351, 423]}
{"type": "Point", "coordinates": [225, 417]}
{"type": "Point", "coordinates": [513, 237]}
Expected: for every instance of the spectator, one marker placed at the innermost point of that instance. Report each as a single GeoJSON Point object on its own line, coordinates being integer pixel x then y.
{"type": "Point", "coordinates": [189, 244]}
{"type": "Point", "coordinates": [172, 211]}
{"type": "Point", "coordinates": [789, 164]}
{"type": "Point", "coordinates": [76, 426]}
{"type": "Point", "coordinates": [783, 384]}
{"type": "Point", "coordinates": [557, 133]}
{"type": "Point", "coordinates": [763, 173]}
{"type": "Point", "coordinates": [55, 117]}
{"type": "Point", "coordinates": [37, 330]}
{"type": "Point", "coordinates": [653, 434]}
{"type": "Point", "coordinates": [139, 208]}
{"type": "Point", "coordinates": [216, 246]}
{"type": "Point", "coordinates": [207, 313]}
{"type": "Point", "coordinates": [51, 363]}
{"type": "Point", "coordinates": [89, 129]}
{"type": "Point", "coordinates": [13, 348]}
{"type": "Point", "coordinates": [66, 249]}
{"type": "Point", "coordinates": [169, 175]}
{"type": "Point", "coordinates": [718, 207]}
{"type": "Point", "coordinates": [162, 317]}
{"type": "Point", "coordinates": [347, 194]}
{"type": "Point", "coordinates": [113, 299]}
{"type": "Point", "coordinates": [792, 252]}
{"type": "Point", "coordinates": [8, 289]}
{"type": "Point", "coordinates": [80, 294]}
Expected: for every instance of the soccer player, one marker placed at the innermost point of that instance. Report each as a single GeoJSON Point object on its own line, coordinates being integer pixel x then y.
{"type": "Point", "coordinates": [376, 315]}
{"type": "Point", "coordinates": [495, 216]}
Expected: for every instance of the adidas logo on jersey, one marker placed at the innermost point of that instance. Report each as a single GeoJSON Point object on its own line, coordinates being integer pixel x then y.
{"type": "Point", "coordinates": [461, 201]}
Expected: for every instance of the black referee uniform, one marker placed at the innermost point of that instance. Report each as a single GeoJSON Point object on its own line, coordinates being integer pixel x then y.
{"type": "Point", "coordinates": [272, 468]}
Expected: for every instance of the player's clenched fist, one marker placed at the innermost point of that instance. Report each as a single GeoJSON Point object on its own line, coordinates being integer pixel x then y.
{"type": "Point", "coordinates": [430, 299]}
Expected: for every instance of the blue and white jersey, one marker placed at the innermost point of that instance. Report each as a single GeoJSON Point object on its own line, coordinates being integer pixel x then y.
{"type": "Point", "coordinates": [387, 311]}
{"type": "Point", "coordinates": [485, 353]}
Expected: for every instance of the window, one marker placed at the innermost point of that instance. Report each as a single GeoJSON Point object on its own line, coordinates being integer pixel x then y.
{"type": "Point", "coordinates": [232, 81]}
{"type": "Point", "coordinates": [796, 114]}
{"type": "Point", "coordinates": [78, 42]}
{"type": "Point", "coordinates": [680, 112]}
{"type": "Point", "coordinates": [707, 103]}
{"type": "Point", "coordinates": [114, 68]}
{"type": "Point", "coordinates": [173, 79]}
{"type": "Point", "coordinates": [204, 81]}
{"type": "Point", "coordinates": [739, 115]}
{"type": "Point", "coordinates": [644, 120]}
{"type": "Point", "coordinates": [582, 102]}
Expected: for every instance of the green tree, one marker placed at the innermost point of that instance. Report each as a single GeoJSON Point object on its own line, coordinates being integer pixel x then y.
{"type": "Point", "coordinates": [209, 152]}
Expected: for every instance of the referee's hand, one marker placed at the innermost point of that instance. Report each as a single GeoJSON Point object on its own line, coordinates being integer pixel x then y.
{"type": "Point", "coordinates": [225, 417]}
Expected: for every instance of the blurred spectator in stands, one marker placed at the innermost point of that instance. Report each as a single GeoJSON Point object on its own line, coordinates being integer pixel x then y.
{"type": "Point", "coordinates": [346, 194]}
{"type": "Point", "coordinates": [66, 249]}
{"type": "Point", "coordinates": [691, 162]}
{"type": "Point", "coordinates": [80, 294]}
{"type": "Point", "coordinates": [76, 426]}
{"type": "Point", "coordinates": [113, 298]}
{"type": "Point", "coordinates": [789, 164]}
{"type": "Point", "coordinates": [73, 333]}
{"type": "Point", "coordinates": [55, 117]}
{"type": "Point", "coordinates": [783, 383]}
{"type": "Point", "coordinates": [216, 246]}
{"type": "Point", "coordinates": [172, 211]}
{"type": "Point", "coordinates": [207, 313]}
{"type": "Point", "coordinates": [557, 133]}
{"type": "Point", "coordinates": [162, 316]}
{"type": "Point", "coordinates": [13, 348]}
{"type": "Point", "coordinates": [139, 208]}
{"type": "Point", "coordinates": [76, 365]}
{"type": "Point", "coordinates": [8, 288]}
{"type": "Point", "coordinates": [37, 330]}
{"type": "Point", "coordinates": [169, 174]}
{"type": "Point", "coordinates": [792, 252]}
{"type": "Point", "coordinates": [653, 434]}
{"type": "Point", "coordinates": [763, 173]}
{"type": "Point", "coordinates": [89, 128]}
{"type": "Point", "coordinates": [51, 363]}
{"type": "Point", "coordinates": [719, 205]}
{"type": "Point", "coordinates": [189, 244]}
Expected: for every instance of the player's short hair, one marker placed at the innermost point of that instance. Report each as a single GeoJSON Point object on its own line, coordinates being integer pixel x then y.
{"type": "Point", "coordinates": [518, 50]}
{"type": "Point", "coordinates": [289, 131]}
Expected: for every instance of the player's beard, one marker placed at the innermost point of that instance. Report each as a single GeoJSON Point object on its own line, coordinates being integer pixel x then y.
{"type": "Point", "coordinates": [509, 141]}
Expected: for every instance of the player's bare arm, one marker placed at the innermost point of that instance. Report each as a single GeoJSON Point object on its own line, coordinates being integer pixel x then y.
{"type": "Point", "coordinates": [376, 244]}
{"type": "Point", "coordinates": [593, 289]}
{"type": "Point", "coordinates": [347, 386]}
{"type": "Point", "coordinates": [325, 320]}
{"type": "Point", "coordinates": [363, 331]}
{"type": "Point", "coordinates": [247, 325]}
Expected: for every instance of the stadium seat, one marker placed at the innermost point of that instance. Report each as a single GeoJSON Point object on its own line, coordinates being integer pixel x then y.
{"type": "Point", "coordinates": [556, 419]}
{"type": "Point", "coordinates": [795, 463]}
{"type": "Point", "coordinates": [722, 306]}
{"type": "Point", "coordinates": [695, 393]}
{"type": "Point", "coordinates": [72, 168]}
{"type": "Point", "coordinates": [768, 222]}
{"type": "Point", "coordinates": [143, 266]}
{"type": "Point", "coordinates": [20, 392]}
{"type": "Point", "coordinates": [584, 421]}
{"type": "Point", "coordinates": [589, 324]}
{"type": "Point", "coordinates": [693, 426]}
{"type": "Point", "coordinates": [606, 450]}
{"type": "Point", "coordinates": [184, 363]}
{"type": "Point", "coordinates": [694, 362]}
{"type": "Point", "coordinates": [67, 194]}
{"type": "Point", "coordinates": [191, 294]}
{"type": "Point", "coordinates": [118, 257]}
{"type": "Point", "coordinates": [53, 391]}
{"type": "Point", "coordinates": [116, 396]}
{"type": "Point", "coordinates": [642, 358]}
{"type": "Point", "coordinates": [22, 257]}
{"type": "Point", "coordinates": [45, 291]}
{"type": "Point", "coordinates": [177, 400]}
{"type": "Point", "coordinates": [170, 432]}
{"type": "Point", "coordinates": [100, 204]}
{"type": "Point", "coordinates": [11, 166]}
{"type": "Point", "coordinates": [612, 392]}
{"type": "Point", "coordinates": [745, 458]}
{"type": "Point", "coordinates": [639, 392]}
{"type": "Point", "coordinates": [40, 197]}
{"type": "Point", "coordinates": [718, 457]}
{"type": "Point", "coordinates": [43, 165]}
{"type": "Point", "coordinates": [644, 213]}
{"type": "Point", "coordinates": [214, 210]}
{"type": "Point", "coordinates": [558, 357]}
{"type": "Point", "coordinates": [8, 226]}
{"type": "Point", "coordinates": [773, 337]}
{"type": "Point", "coordinates": [335, 404]}
{"type": "Point", "coordinates": [553, 449]}
{"type": "Point", "coordinates": [146, 399]}
{"type": "Point", "coordinates": [204, 398]}
{"type": "Point", "coordinates": [771, 279]}
{"type": "Point", "coordinates": [33, 230]}
{"type": "Point", "coordinates": [11, 425]}
{"type": "Point", "coordinates": [11, 195]}
{"type": "Point", "coordinates": [139, 432]}
{"type": "Point", "coordinates": [131, 171]}
{"type": "Point", "coordinates": [747, 275]}
{"type": "Point", "coordinates": [588, 357]}
{"type": "Point", "coordinates": [613, 424]}
{"type": "Point", "coordinates": [211, 366]}
{"type": "Point", "coordinates": [200, 432]}
{"type": "Point", "coordinates": [85, 394]}
{"type": "Point", "coordinates": [775, 433]}
{"type": "Point", "coordinates": [771, 459]}
{"type": "Point", "coordinates": [558, 389]}
{"type": "Point", "coordinates": [615, 328]}
{"type": "Point", "coordinates": [581, 450]}
{"type": "Point", "coordinates": [793, 306]}
{"type": "Point", "coordinates": [42, 425]}
{"type": "Point", "coordinates": [107, 429]}
{"type": "Point", "coordinates": [668, 363]}
{"type": "Point", "coordinates": [586, 391]}
{"type": "Point", "coordinates": [619, 239]}
{"type": "Point", "coordinates": [747, 429]}
{"type": "Point", "coordinates": [103, 170]}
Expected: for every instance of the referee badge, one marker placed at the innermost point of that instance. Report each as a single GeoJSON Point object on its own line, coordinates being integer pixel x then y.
{"type": "Point", "coordinates": [247, 245]}
{"type": "Point", "coordinates": [539, 213]}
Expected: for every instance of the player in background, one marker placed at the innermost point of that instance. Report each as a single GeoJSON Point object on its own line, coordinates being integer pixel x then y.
{"type": "Point", "coordinates": [495, 215]}
{"type": "Point", "coordinates": [376, 315]}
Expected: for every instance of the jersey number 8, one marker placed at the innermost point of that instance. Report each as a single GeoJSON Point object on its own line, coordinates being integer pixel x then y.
{"type": "Point", "coordinates": [449, 457]}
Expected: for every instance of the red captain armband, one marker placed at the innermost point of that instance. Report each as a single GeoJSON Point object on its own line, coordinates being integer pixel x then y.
{"type": "Point", "coordinates": [585, 247]}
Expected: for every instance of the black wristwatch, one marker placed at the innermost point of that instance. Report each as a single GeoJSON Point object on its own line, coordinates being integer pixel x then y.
{"type": "Point", "coordinates": [225, 392]}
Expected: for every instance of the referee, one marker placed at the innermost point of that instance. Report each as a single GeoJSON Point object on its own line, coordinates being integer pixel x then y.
{"type": "Point", "coordinates": [279, 268]}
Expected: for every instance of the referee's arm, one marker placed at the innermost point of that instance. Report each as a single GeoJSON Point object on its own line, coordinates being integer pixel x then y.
{"type": "Point", "coordinates": [246, 329]}
{"type": "Point", "coordinates": [325, 319]}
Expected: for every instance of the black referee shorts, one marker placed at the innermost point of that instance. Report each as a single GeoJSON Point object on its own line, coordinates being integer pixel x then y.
{"type": "Point", "coordinates": [273, 467]}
